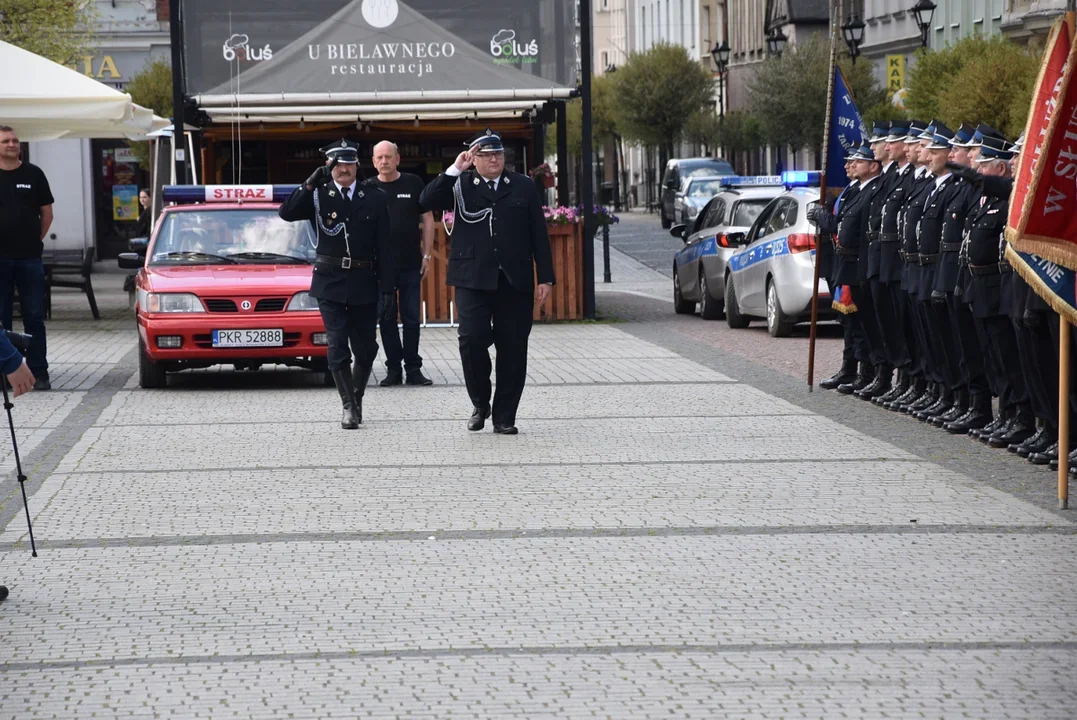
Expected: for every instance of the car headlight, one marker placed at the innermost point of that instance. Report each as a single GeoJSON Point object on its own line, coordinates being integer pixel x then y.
{"type": "Point", "coordinates": [693, 211]}
{"type": "Point", "coordinates": [169, 302]}
{"type": "Point", "coordinates": [302, 301]}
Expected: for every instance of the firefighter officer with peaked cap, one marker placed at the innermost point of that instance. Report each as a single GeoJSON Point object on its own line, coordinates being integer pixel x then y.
{"type": "Point", "coordinates": [352, 266]}
{"type": "Point", "coordinates": [498, 241]}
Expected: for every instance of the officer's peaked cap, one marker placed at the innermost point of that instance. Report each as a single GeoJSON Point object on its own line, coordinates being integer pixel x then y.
{"type": "Point", "coordinates": [916, 127]}
{"type": "Point", "coordinates": [879, 132]}
{"type": "Point", "coordinates": [898, 130]}
{"type": "Point", "coordinates": [343, 151]}
{"type": "Point", "coordinates": [941, 137]}
{"type": "Point", "coordinates": [995, 148]}
{"type": "Point", "coordinates": [864, 152]}
{"type": "Point", "coordinates": [963, 136]}
{"type": "Point", "coordinates": [487, 141]}
{"type": "Point", "coordinates": [929, 131]}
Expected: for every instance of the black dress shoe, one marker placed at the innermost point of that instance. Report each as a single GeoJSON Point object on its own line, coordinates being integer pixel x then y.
{"type": "Point", "coordinates": [1045, 457]}
{"type": "Point", "coordinates": [1021, 428]}
{"type": "Point", "coordinates": [505, 429]}
{"type": "Point", "coordinates": [42, 382]}
{"type": "Point", "coordinates": [1037, 443]}
{"type": "Point", "coordinates": [416, 377]}
{"type": "Point", "coordinates": [478, 418]}
{"type": "Point", "coordinates": [392, 377]}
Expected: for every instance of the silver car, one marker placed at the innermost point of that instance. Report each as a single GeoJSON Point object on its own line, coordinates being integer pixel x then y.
{"type": "Point", "coordinates": [699, 268]}
{"type": "Point", "coordinates": [694, 194]}
{"type": "Point", "coordinates": [771, 276]}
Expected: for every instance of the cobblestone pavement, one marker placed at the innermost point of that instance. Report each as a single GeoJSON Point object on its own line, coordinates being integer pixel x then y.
{"type": "Point", "coordinates": [678, 531]}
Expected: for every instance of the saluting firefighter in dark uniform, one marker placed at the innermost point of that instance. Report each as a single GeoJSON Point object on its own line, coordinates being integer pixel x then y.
{"type": "Point", "coordinates": [352, 266]}
{"type": "Point", "coordinates": [498, 240]}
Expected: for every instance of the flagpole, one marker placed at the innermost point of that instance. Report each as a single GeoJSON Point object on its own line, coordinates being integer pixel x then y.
{"type": "Point", "coordinates": [1064, 357]}
{"type": "Point", "coordinates": [822, 200]}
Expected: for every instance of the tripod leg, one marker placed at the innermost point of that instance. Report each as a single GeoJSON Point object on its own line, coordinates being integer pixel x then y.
{"type": "Point", "coordinates": [18, 466]}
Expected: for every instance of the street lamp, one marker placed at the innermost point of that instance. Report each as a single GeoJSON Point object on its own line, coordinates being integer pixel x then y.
{"type": "Point", "coordinates": [720, 53]}
{"type": "Point", "coordinates": [776, 41]}
{"type": "Point", "coordinates": [923, 11]}
{"type": "Point", "coordinates": [853, 30]}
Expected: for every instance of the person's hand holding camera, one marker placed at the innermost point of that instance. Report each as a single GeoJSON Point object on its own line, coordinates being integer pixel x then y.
{"type": "Point", "coordinates": [22, 380]}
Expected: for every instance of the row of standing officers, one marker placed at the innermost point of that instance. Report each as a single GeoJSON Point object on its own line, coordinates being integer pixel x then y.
{"type": "Point", "coordinates": [499, 248]}
{"type": "Point", "coordinates": [936, 322]}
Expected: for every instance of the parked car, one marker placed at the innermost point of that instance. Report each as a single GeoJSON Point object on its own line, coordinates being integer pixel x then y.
{"type": "Point", "coordinates": [699, 268]}
{"type": "Point", "coordinates": [676, 171]}
{"type": "Point", "coordinates": [225, 281]}
{"type": "Point", "coordinates": [696, 191]}
{"type": "Point", "coordinates": [771, 275]}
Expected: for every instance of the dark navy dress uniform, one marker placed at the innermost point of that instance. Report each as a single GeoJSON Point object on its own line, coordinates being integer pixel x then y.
{"type": "Point", "coordinates": [353, 267]}
{"type": "Point", "coordinates": [890, 300]}
{"type": "Point", "coordinates": [493, 261]}
{"type": "Point", "coordinates": [915, 332]}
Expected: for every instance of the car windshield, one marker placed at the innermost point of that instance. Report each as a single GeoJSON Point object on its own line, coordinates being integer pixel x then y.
{"type": "Point", "coordinates": [747, 211]}
{"type": "Point", "coordinates": [218, 235]}
{"type": "Point", "coordinates": [709, 168]}
{"type": "Point", "coordinates": [704, 188]}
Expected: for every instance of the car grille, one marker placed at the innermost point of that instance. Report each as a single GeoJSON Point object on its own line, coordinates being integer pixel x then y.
{"type": "Point", "coordinates": [270, 305]}
{"type": "Point", "coordinates": [291, 339]}
{"type": "Point", "coordinates": [220, 306]}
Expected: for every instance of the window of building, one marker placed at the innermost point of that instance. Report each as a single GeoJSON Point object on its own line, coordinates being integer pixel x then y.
{"type": "Point", "coordinates": [706, 34]}
{"type": "Point", "coordinates": [604, 61]}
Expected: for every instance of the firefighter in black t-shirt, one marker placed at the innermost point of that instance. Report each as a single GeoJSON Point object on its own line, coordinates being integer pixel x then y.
{"type": "Point", "coordinates": [25, 217]}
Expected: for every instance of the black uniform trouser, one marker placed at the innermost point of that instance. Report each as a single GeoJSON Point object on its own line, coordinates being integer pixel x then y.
{"type": "Point", "coordinates": [873, 350]}
{"type": "Point", "coordinates": [1006, 359]}
{"type": "Point", "coordinates": [350, 324]}
{"type": "Point", "coordinates": [1039, 366]}
{"type": "Point", "coordinates": [944, 340]}
{"type": "Point", "coordinates": [888, 319]}
{"type": "Point", "coordinates": [970, 356]}
{"type": "Point", "coordinates": [910, 328]}
{"type": "Point", "coordinates": [501, 318]}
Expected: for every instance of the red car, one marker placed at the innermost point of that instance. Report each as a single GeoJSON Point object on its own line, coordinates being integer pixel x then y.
{"type": "Point", "coordinates": [225, 281]}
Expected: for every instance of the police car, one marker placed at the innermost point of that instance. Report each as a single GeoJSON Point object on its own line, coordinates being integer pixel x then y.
{"type": "Point", "coordinates": [699, 268]}
{"type": "Point", "coordinates": [771, 275]}
{"type": "Point", "coordinates": [225, 281]}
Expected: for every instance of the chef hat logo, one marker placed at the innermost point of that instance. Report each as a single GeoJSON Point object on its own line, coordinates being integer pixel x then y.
{"type": "Point", "coordinates": [237, 40]}
{"type": "Point", "coordinates": [503, 36]}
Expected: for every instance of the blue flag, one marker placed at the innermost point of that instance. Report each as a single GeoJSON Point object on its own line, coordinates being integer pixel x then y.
{"type": "Point", "coordinates": [847, 131]}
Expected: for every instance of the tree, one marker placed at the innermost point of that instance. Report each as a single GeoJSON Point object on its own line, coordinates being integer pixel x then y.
{"type": "Point", "coordinates": [151, 88]}
{"type": "Point", "coordinates": [788, 95]}
{"type": "Point", "coordinates": [741, 132]}
{"type": "Point", "coordinates": [60, 30]}
{"type": "Point", "coordinates": [603, 123]}
{"type": "Point", "coordinates": [975, 80]}
{"type": "Point", "coordinates": [704, 128]}
{"type": "Point", "coordinates": [655, 92]}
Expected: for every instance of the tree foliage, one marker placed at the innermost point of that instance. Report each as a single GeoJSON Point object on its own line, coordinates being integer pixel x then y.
{"type": "Point", "coordinates": [703, 128]}
{"type": "Point", "coordinates": [655, 92]}
{"type": "Point", "coordinates": [975, 80]}
{"type": "Point", "coordinates": [741, 132]}
{"type": "Point", "coordinates": [151, 88]}
{"type": "Point", "coordinates": [603, 122]}
{"type": "Point", "coordinates": [60, 30]}
{"type": "Point", "coordinates": [788, 94]}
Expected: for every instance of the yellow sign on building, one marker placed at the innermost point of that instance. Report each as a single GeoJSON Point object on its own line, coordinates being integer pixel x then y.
{"type": "Point", "coordinates": [895, 72]}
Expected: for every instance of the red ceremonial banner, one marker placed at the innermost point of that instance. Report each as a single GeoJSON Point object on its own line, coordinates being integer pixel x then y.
{"type": "Point", "coordinates": [1043, 208]}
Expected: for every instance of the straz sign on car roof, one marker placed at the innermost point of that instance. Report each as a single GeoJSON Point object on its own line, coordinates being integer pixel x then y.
{"type": "Point", "coordinates": [236, 193]}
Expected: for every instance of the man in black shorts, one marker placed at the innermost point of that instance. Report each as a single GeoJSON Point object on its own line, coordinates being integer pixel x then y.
{"type": "Point", "coordinates": [411, 259]}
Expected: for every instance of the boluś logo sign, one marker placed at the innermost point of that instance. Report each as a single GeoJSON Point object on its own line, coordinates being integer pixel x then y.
{"type": "Point", "coordinates": [237, 47]}
{"type": "Point", "coordinates": [506, 50]}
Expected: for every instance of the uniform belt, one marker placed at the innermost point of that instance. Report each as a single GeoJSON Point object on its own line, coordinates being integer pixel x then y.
{"type": "Point", "coordinates": [1005, 267]}
{"type": "Point", "coordinates": [344, 263]}
{"type": "Point", "coordinates": [872, 236]}
{"type": "Point", "coordinates": [928, 258]}
{"type": "Point", "coordinates": [889, 237]}
{"type": "Point", "coordinates": [949, 247]}
{"type": "Point", "coordinates": [978, 270]}
{"type": "Point", "coordinates": [907, 255]}
{"type": "Point", "coordinates": [846, 251]}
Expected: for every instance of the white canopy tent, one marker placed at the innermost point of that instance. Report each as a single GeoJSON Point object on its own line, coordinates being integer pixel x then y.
{"type": "Point", "coordinates": [44, 100]}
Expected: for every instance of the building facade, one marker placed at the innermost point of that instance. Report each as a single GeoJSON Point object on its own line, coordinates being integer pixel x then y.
{"type": "Point", "coordinates": [96, 182]}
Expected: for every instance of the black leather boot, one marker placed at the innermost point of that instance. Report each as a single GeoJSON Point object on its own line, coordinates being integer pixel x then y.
{"type": "Point", "coordinates": [902, 386]}
{"type": "Point", "coordinates": [1045, 457]}
{"type": "Point", "coordinates": [990, 428]}
{"type": "Point", "coordinates": [845, 374]}
{"type": "Point", "coordinates": [1022, 427]}
{"type": "Point", "coordinates": [349, 420]}
{"type": "Point", "coordinates": [884, 379]}
{"type": "Point", "coordinates": [1038, 443]}
{"type": "Point", "coordinates": [360, 378]}
{"type": "Point", "coordinates": [977, 416]}
{"type": "Point", "coordinates": [863, 379]}
{"type": "Point", "coordinates": [926, 400]}
{"type": "Point", "coordinates": [914, 392]}
{"type": "Point", "coordinates": [960, 407]}
{"type": "Point", "coordinates": [393, 376]}
{"type": "Point", "coordinates": [944, 402]}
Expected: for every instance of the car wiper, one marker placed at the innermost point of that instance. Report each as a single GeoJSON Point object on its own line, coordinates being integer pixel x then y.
{"type": "Point", "coordinates": [270, 256]}
{"type": "Point", "coordinates": [191, 255]}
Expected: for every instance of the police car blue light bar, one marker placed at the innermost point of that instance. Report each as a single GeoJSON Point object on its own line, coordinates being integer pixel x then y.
{"type": "Point", "coordinates": [750, 180]}
{"type": "Point", "coordinates": [801, 178]}
{"type": "Point", "coordinates": [187, 194]}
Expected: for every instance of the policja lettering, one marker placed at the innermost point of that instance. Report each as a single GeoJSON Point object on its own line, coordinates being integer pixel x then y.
{"type": "Point", "coordinates": [353, 265]}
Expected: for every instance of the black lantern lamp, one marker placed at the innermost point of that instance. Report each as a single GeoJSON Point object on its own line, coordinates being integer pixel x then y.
{"type": "Point", "coordinates": [922, 12]}
{"type": "Point", "coordinates": [776, 41]}
{"type": "Point", "coordinates": [853, 31]}
{"type": "Point", "coordinates": [720, 53]}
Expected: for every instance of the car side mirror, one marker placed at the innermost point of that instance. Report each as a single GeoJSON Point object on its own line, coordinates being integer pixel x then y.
{"type": "Point", "coordinates": [736, 239]}
{"type": "Point", "coordinates": [680, 232]}
{"type": "Point", "coordinates": [130, 261]}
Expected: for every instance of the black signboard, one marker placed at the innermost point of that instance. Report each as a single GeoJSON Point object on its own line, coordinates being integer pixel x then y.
{"type": "Point", "coordinates": [320, 46]}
